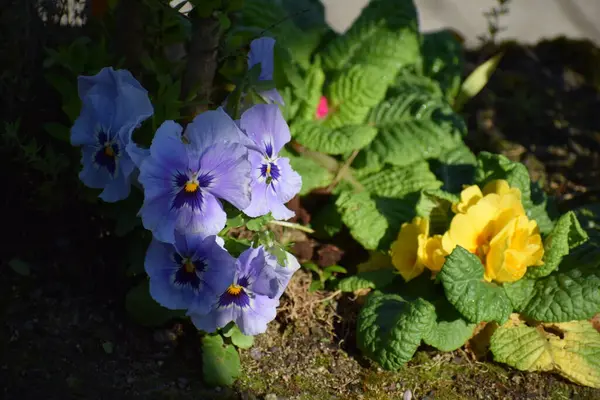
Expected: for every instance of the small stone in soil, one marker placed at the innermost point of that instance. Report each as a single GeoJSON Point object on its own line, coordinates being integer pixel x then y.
{"type": "Point", "coordinates": [255, 353]}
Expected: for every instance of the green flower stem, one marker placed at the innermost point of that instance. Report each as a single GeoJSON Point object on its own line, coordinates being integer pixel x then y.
{"type": "Point", "coordinates": [293, 226]}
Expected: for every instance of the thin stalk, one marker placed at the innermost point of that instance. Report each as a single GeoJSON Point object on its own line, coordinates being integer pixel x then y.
{"type": "Point", "coordinates": [293, 226]}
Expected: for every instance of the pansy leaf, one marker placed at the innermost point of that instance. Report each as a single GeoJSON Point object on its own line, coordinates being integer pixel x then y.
{"type": "Point", "coordinates": [390, 329]}
{"type": "Point", "coordinates": [239, 339]}
{"type": "Point", "coordinates": [477, 300]}
{"type": "Point", "coordinates": [367, 280]}
{"type": "Point", "coordinates": [220, 362]}
{"type": "Point", "coordinates": [567, 234]}
{"type": "Point", "coordinates": [316, 136]}
{"type": "Point", "coordinates": [144, 310]}
{"type": "Point", "coordinates": [571, 349]}
{"type": "Point", "coordinates": [414, 126]}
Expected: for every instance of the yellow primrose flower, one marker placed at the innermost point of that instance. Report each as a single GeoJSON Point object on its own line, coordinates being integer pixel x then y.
{"type": "Point", "coordinates": [414, 250]}
{"type": "Point", "coordinates": [494, 221]}
{"type": "Point", "coordinates": [517, 246]}
{"type": "Point", "coordinates": [472, 194]}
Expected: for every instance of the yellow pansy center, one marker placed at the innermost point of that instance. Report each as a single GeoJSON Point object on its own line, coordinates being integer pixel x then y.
{"type": "Point", "coordinates": [234, 290]}
{"type": "Point", "coordinates": [108, 150]}
{"type": "Point", "coordinates": [191, 186]}
{"type": "Point", "coordinates": [189, 266]}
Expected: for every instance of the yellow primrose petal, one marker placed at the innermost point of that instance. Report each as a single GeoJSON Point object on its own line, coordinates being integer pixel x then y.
{"type": "Point", "coordinates": [432, 255]}
{"type": "Point", "coordinates": [472, 229]}
{"type": "Point", "coordinates": [468, 197]}
{"type": "Point", "coordinates": [404, 249]}
{"type": "Point", "coordinates": [517, 246]}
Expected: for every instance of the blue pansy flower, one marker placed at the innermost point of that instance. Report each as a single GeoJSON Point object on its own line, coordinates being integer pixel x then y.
{"type": "Point", "coordinates": [185, 176]}
{"type": "Point", "coordinates": [252, 297]}
{"type": "Point", "coordinates": [113, 105]}
{"type": "Point", "coordinates": [190, 273]}
{"type": "Point", "coordinates": [261, 52]}
{"type": "Point", "coordinates": [274, 182]}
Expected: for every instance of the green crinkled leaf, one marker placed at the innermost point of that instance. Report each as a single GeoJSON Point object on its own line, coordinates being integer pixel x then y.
{"type": "Point", "coordinates": [385, 34]}
{"type": "Point", "coordinates": [313, 175]}
{"type": "Point", "coordinates": [455, 168]}
{"type": "Point", "coordinates": [409, 80]}
{"type": "Point", "coordinates": [560, 296]}
{"type": "Point", "coordinates": [477, 300]}
{"type": "Point", "coordinates": [567, 234]}
{"type": "Point", "coordinates": [443, 61]}
{"type": "Point", "coordinates": [571, 349]}
{"type": "Point", "coordinates": [374, 221]}
{"type": "Point", "coordinates": [414, 126]}
{"type": "Point", "coordinates": [397, 182]}
{"type": "Point", "coordinates": [144, 310]}
{"type": "Point", "coordinates": [353, 92]}
{"type": "Point", "coordinates": [389, 329]}
{"type": "Point", "coordinates": [496, 166]}
{"type": "Point", "coordinates": [316, 136]}
{"type": "Point", "coordinates": [327, 221]}
{"type": "Point", "coordinates": [367, 280]}
{"type": "Point", "coordinates": [589, 217]}
{"type": "Point", "coordinates": [436, 205]}
{"type": "Point", "coordinates": [220, 362]}
{"type": "Point", "coordinates": [256, 224]}
{"type": "Point", "coordinates": [315, 77]}
{"type": "Point", "coordinates": [450, 330]}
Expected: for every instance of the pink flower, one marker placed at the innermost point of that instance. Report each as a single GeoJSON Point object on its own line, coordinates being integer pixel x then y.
{"type": "Point", "coordinates": [322, 108]}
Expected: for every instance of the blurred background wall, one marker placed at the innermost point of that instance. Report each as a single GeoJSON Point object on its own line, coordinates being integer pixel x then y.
{"type": "Point", "coordinates": [527, 21]}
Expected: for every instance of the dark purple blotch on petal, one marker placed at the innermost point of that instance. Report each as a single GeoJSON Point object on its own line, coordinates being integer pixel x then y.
{"type": "Point", "coordinates": [188, 271]}
{"type": "Point", "coordinates": [236, 295]}
{"type": "Point", "coordinates": [191, 198]}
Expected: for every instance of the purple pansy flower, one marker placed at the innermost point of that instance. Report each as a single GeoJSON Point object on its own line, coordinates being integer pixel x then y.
{"type": "Point", "coordinates": [261, 52]}
{"type": "Point", "coordinates": [184, 177]}
{"type": "Point", "coordinates": [274, 182]}
{"type": "Point", "coordinates": [113, 105]}
{"type": "Point", "coordinates": [190, 273]}
{"type": "Point", "coordinates": [252, 298]}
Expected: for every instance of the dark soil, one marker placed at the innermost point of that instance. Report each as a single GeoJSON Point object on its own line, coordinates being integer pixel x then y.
{"type": "Point", "coordinates": [65, 333]}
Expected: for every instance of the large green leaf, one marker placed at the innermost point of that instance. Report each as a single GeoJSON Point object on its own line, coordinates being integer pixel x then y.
{"type": "Point", "coordinates": [315, 77]}
{"type": "Point", "coordinates": [389, 329]}
{"type": "Point", "coordinates": [566, 235]}
{"type": "Point", "coordinates": [562, 296]}
{"type": "Point", "coordinates": [455, 168]}
{"type": "Point", "coordinates": [313, 175]}
{"type": "Point", "coordinates": [353, 92]}
{"type": "Point", "coordinates": [220, 362]}
{"type": "Point", "coordinates": [397, 182]}
{"type": "Point", "coordinates": [475, 299]}
{"type": "Point", "coordinates": [450, 330]}
{"type": "Point", "coordinates": [374, 222]}
{"type": "Point", "coordinates": [414, 126]}
{"type": "Point", "coordinates": [571, 349]}
{"type": "Point", "coordinates": [316, 136]}
{"type": "Point", "coordinates": [443, 61]}
{"type": "Point", "coordinates": [385, 34]}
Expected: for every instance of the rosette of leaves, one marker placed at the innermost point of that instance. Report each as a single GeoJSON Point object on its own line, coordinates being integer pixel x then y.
{"type": "Point", "coordinates": [398, 317]}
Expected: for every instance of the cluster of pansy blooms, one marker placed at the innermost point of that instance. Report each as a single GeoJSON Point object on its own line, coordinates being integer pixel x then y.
{"type": "Point", "coordinates": [185, 176]}
{"type": "Point", "coordinates": [490, 223]}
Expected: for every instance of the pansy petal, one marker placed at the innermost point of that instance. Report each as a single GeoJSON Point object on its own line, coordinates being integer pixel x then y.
{"type": "Point", "coordinates": [258, 205]}
{"type": "Point", "coordinates": [272, 96]}
{"type": "Point", "coordinates": [117, 189]}
{"type": "Point", "coordinates": [215, 319]}
{"type": "Point", "coordinates": [254, 319]}
{"type": "Point", "coordinates": [211, 127]}
{"type": "Point", "coordinates": [105, 77]}
{"type": "Point", "coordinates": [168, 148]}
{"type": "Point", "coordinates": [209, 220]}
{"type": "Point", "coordinates": [157, 218]}
{"type": "Point", "coordinates": [265, 125]}
{"type": "Point", "coordinates": [137, 154]}
{"type": "Point", "coordinates": [84, 128]}
{"type": "Point", "coordinates": [262, 52]}
{"type": "Point", "coordinates": [290, 182]}
{"type": "Point", "coordinates": [228, 165]}
{"type": "Point", "coordinates": [156, 179]}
